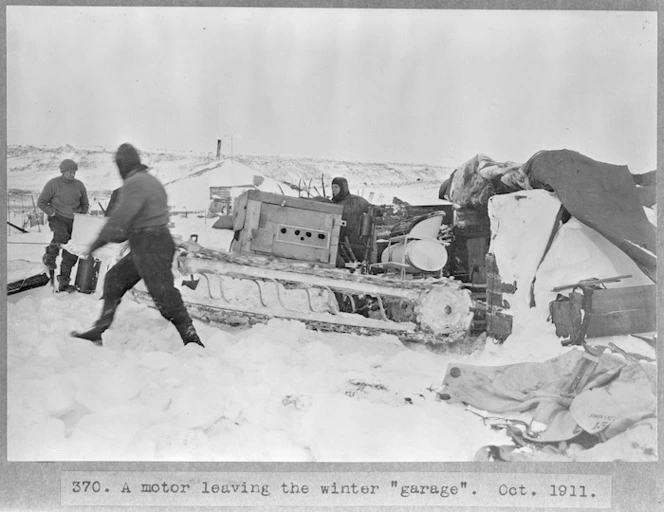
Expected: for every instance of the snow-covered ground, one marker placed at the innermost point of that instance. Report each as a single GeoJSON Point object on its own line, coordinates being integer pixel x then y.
{"type": "Point", "coordinates": [275, 392]}
{"type": "Point", "coordinates": [271, 392]}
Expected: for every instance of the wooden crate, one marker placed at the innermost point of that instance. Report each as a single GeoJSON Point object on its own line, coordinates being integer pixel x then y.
{"type": "Point", "coordinates": [287, 227]}
{"type": "Point", "coordinates": [614, 311]}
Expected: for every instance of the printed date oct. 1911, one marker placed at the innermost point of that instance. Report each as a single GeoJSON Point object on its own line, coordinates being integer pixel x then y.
{"type": "Point", "coordinates": [554, 491]}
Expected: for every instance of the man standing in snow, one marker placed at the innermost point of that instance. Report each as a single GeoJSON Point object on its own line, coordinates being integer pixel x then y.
{"type": "Point", "coordinates": [141, 216]}
{"type": "Point", "coordinates": [60, 199]}
{"type": "Point", "coordinates": [354, 207]}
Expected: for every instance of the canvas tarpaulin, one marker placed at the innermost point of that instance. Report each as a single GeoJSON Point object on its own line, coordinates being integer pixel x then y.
{"type": "Point", "coordinates": [518, 387]}
{"type": "Point", "coordinates": [602, 196]}
{"type": "Point", "coordinates": [613, 394]}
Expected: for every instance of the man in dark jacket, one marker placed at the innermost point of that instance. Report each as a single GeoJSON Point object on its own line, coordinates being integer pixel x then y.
{"type": "Point", "coordinates": [141, 216]}
{"type": "Point", "coordinates": [113, 202]}
{"type": "Point", "coordinates": [354, 207]}
{"type": "Point", "coordinates": [60, 199]}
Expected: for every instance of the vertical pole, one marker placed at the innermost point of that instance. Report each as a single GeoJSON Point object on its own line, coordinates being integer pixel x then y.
{"type": "Point", "coordinates": [34, 207]}
{"type": "Point", "coordinates": [23, 210]}
{"type": "Point", "coordinates": [218, 148]}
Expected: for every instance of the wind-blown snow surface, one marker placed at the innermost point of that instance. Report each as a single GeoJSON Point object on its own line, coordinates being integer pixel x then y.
{"type": "Point", "coordinates": [274, 392]}
{"type": "Point", "coordinates": [270, 392]}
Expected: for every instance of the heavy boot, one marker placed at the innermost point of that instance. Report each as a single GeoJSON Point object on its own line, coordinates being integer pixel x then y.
{"type": "Point", "coordinates": [63, 284]}
{"type": "Point", "coordinates": [50, 255]}
{"type": "Point", "coordinates": [188, 333]}
{"type": "Point", "coordinates": [100, 326]}
{"type": "Point", "coordinates": [68, 261]}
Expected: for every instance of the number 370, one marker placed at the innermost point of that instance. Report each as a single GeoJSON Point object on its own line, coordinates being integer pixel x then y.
{"type": "Point", "coordinates": [86, 486]}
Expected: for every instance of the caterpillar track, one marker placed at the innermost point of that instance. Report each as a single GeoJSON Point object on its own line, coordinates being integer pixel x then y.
{"type": "Point", "coordinates": [232, 288]}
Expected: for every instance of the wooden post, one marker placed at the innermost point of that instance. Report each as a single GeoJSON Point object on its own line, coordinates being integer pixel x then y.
{"type": "Point", "coordinates": [34, 207]}
{"type": "Point", "coordinates": [218, 148]}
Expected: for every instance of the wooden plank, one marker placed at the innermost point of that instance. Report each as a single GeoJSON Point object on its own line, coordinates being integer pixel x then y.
{"type": "Point", "coordinates": [239, 211]}
{"type": "Point", "coordinates": [294, 217]}
{"type": "Point", "coordinates": [591, 282]}
{"type": "Point", "coordinates": [252, 216]}
{"type": "Point", "coordinates": [295, 202]}
{"type": "Point", "coordinates": [262, 240]}
{"type": "Point", "coordinates": [622, 322]}
{"type": "Point", "coordinates": [386, 289]}
{"type": "Point", "coordinates": [626, 298]}
{"type": "Point", "coordinates": [299, 253]}
{"type": "Point", "coordinates": [335, 229]}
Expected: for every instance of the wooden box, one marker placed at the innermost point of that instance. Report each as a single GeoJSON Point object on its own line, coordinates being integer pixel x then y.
{"type": "Point", "coordinates": [287, 227]}
{"type": "Point", "coordinates": [613, 311]}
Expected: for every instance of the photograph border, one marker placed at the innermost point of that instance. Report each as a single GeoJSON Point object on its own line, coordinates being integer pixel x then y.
{"type": "Point", "coordinates": [635, 486]}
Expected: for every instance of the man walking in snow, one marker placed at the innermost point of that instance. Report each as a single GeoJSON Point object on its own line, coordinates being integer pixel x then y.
{"type": "Point", "coordinates": [141, 216]}
{"type": "Point", "coordinates": [60, 199]}
{"type": "Point", "coordinates": [354, 207]}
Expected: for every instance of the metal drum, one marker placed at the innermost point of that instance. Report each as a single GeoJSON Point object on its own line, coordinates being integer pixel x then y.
{"type": "Point", "coordinates": [87, 274]}
{"type": "Point", "coordinates": [420, 255]}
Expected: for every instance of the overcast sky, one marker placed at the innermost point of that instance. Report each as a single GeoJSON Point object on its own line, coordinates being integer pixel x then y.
{"type": "Point", "coordinates": [421, 86]}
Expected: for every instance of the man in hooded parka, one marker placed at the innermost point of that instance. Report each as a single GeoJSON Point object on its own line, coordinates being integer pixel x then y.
{"type": "Point", "coordinates": [354, 207]}
{"type": "Point", "coordinates": [141, 217]}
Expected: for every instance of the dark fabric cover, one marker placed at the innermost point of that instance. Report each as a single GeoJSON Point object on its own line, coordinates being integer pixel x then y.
{"type": "Point", "coordinates": [647, 195]}
{"type": "Point", "coordinates": [646, 179]}
{"type": "Point", "coordinates": [602, 196]}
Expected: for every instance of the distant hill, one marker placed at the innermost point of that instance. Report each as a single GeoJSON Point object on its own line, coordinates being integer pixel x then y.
{"type": "Point", "coordinates": [29, 167]}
